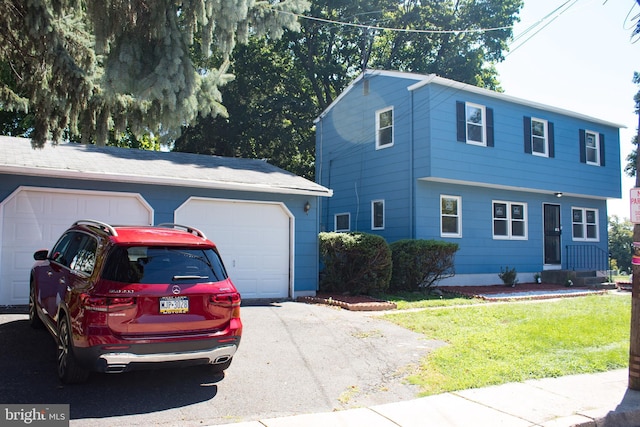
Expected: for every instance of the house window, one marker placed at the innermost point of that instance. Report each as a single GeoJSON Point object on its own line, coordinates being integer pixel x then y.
{"type": "Point", "coordinates": [474, 124]}
{"type": "Point", "coordinates": [450, 216]}
{"type": "Point", "coordinates": [384, 128]}
{"type": "Point", "coordinates": [591, 147]}
{"type": "Point", "coordinates": [377, 215]}
{"type": "Point", "coordinates": [476, 130]}
{"type": "Point", "coordinates": [585, 224]}
{"type": "Point", "coordinates": [509, 220]}
{"type": "Point", "coordinates": [342, 222]}
{"type": "Point", "coordinates": [539, 137]}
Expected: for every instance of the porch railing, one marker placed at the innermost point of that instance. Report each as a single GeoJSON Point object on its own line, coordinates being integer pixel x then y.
{"type": "Point", "coordinates": [586, 257]}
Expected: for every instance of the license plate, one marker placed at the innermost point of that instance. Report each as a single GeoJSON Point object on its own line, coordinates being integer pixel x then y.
{"type": "Point", "coordinates": [173, 305]}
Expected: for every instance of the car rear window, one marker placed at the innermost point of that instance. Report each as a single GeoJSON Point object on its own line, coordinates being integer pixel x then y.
{"type": "Point", "coordinates": [152, 264]}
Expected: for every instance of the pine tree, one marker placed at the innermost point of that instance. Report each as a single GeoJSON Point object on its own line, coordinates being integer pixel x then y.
{"type": "Point", "coordinates": [92, 66]}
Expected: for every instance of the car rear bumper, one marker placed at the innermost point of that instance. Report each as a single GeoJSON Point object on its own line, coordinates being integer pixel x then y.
{"type": "Point", "coordinates": [119, 362]}
{"type": "Point", "coordinates": [105, 359]}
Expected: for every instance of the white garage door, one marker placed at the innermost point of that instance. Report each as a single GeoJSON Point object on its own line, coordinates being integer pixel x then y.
{"type": "Point", "coordinates": [254, 240]}
{"type": "Point", "coordinates": [34, 218]}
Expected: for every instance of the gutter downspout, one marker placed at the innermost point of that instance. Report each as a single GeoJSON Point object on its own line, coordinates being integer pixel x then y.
{"type": "Point", "coordinates": [412, 190]}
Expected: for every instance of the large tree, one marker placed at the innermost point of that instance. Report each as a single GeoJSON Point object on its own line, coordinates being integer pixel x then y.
{"type": "Point", "coordinates": [282, 85]}
{"type": "Point", "coordinates": [94, 66]}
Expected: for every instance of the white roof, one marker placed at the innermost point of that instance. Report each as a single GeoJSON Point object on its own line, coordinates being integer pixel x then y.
{"type": "Point", "coordinates": [89, 162]}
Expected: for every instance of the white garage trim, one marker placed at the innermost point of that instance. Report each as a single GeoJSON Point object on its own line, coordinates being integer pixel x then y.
{"type": "Point", "coordinates": [226, 238]}
{"type": "Point", "coordinates": [33, 218]}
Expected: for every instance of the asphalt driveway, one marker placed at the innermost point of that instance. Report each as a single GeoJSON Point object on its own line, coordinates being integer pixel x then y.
{"type": "Point", "coordinates": [294, 358]}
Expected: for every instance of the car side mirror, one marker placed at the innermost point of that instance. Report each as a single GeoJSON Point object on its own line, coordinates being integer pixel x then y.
{"type": "Point", "coordinates": [41, 255]}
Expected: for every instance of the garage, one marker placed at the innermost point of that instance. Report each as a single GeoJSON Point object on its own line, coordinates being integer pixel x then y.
{"type": "Point", "coordinates": [254, 239]}
{"type": "Point", "coordinates": [34, 218]}
{"type": "Point", "coordinates": [264, 219]}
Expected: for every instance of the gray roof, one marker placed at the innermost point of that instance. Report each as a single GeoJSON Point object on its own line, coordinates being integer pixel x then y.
{"type": "Point", "coordinates": [89, 162]}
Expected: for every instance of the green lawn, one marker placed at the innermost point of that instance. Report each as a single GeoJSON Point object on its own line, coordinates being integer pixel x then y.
{"type": "Point", "coordinates": [407, 300]}
{"type": "Point", "coordinates": [499, 343]}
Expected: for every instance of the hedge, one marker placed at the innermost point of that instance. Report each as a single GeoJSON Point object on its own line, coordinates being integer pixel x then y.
{"type": "Point", "coordinates": [354, 263]}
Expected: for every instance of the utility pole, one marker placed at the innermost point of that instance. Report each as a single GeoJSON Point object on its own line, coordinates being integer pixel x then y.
{"type": "Point", "coordinates": [634, 345]}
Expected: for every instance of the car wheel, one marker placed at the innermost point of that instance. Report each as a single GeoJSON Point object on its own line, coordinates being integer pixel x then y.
{"type": "Point", "coordinates": [34, 320]}
{"type": "Point", "coordinates": [69, 370]}
{"type": "Point", "coordinates": [218, 368]}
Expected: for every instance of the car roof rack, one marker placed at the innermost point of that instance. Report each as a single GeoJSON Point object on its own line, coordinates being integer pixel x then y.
{"type": "Point", "coordinates": [99, 224]}
{"type": "Point", "coordinates": [189, 229]}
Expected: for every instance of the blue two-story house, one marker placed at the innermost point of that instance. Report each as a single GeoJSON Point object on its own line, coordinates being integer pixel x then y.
{"type": "Point", "coordinates": [514, 183]}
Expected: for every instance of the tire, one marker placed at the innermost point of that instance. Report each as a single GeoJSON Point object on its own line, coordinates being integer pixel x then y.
{"type": "Point", "coordinates": [34, 320]}
{"type": "Point", "coordinates": [218, 368]}
{"type": "Point", "coordinates": [69, 370]}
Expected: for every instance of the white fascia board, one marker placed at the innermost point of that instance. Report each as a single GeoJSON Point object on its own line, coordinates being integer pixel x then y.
{"type": "Point", "coordinates": [511, 188]}
{"type": "Point", "coordinates": [157, 180]}
{"type": "Point", "coordinates": [508, 98]}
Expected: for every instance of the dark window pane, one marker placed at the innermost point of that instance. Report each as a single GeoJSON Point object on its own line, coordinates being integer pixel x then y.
{"type": "Point", "coordinates": [499, 210]}
{"type": "Point", "coordinates": [517, 228]}
{"type": "Point", "coordinates": [449, 225]}
{"type": "Point", "coordinates": [500, 228]}
{"type": "Point", "coordinates": [577, 231]}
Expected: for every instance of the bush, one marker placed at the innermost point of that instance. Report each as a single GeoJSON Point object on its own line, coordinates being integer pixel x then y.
{"type": "Point", "coordinates": [509, 276]}
{"type": "Point", "coordinates": [354, 263]}
{"type": "Point", "coordinates": [418, 264]}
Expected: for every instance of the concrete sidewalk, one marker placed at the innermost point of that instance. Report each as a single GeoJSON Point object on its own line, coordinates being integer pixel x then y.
{"type": "Point", "coordinates": [579, 400]}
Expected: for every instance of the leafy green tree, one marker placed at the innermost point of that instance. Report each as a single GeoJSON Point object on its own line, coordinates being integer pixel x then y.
{"type": "Point", "coordinates": [270, 112]}
{"type": "Point", "coordinates": [621, 242]}
{"type": "Point", "coordinates": [282, 85]}
{"type": "Point", "coordinates": [463, 39]}
{"type": "Point", "coordinates": [630, 168]}
{"type": "Point", "coordinates": [92, 66]}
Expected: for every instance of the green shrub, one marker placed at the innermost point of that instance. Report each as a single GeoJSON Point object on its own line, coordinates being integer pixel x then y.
{"type": "Point", "coordinates": [509, 276]}
{"type": "Point", "coordinates": [354, 263]}
{"type": "Point", "coordinates": [419, 264]}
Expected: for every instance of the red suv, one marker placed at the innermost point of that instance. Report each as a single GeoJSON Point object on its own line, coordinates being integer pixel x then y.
{"type": "Point", "coordinates": [117, 298]}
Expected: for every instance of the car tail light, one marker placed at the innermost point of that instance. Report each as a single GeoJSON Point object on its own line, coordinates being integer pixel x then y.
{"type": "Point", "coordinates": [105, 304]}
{"type": "Point", "coordinates": [231, 300]}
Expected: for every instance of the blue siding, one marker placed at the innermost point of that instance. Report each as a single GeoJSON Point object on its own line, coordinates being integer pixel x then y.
{"type": "Point", "coordinates": [564, 172]}
{"type": "Point", "coordinates": [165, 199]}
{"type": "Point", "coordinates": [427, 161]}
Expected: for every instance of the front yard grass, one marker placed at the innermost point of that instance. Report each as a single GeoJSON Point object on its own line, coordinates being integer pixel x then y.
{"type": "Point", "coordinates": [408, 300]}
{"type": "Point", "coordinates": [499, 343]}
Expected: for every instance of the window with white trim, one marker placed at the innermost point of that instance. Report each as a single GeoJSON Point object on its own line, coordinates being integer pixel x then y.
{"type": "Point", "coordinates": [384, 128]}
{"type": "Point", "coordinates": [377, 215]}
{"type": "Point", "coordinates": [584, 223]}
{"type": "Point", "coordinates": [450, 216]}
{"type": "Point", "coordinates": [342, 222]}
{"type": "Point", "coordinates": [476, 124]}
{"type": "Point", "coordinates": [509, 220]}
{"type": "Point", "coordinates": [592, 147]}
{"type": "Point", "coordinates": [539, 137]}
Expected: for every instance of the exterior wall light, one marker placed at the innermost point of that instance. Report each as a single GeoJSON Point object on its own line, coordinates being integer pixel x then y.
{"type": "Point", "coordinates": [307, 207]}
{"type": "Point", "coordinates": [558, 194]}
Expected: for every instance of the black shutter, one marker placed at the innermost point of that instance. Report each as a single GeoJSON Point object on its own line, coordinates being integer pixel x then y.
{"type": "Point", "coordinates": [601, 150]}
{"type": "Point", "coordinates": [552, 145]}
{"type": "Point", "coordinates": [461, 121]}
{"type": "Point", "coordinates": [490, 136]}
{"type": "Point", "coordinates": [583, 147]}
{"type": "Point", "coordinates": [527, 135]}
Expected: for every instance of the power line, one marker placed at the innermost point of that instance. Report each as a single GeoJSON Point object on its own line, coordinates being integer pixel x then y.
{"type": "Point", "coordinates": [399, 30]}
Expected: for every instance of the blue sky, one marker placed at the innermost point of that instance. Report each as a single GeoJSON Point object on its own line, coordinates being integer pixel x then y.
{"type": "Point", "coordinates": [583, 60]}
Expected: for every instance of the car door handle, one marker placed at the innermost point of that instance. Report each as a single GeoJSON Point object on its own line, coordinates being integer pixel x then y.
{"type": "Point", "coordinates": [68, 288]}
{"type": "Point", "coordinates": [49, 273]}
{"type": "Point", "coordinates": [61, 281]}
